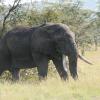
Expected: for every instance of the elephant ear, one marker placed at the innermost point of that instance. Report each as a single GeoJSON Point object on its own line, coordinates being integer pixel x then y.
{"type": "Point", "coordinates": [62, 46]}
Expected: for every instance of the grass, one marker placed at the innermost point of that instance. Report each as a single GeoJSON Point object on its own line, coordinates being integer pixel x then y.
{"type": "Point", "coordinates": [86, 88]}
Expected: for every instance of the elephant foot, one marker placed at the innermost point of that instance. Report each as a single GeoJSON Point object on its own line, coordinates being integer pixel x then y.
{"type": "Point", "coordinates": [41, 78]}
{"type": "Point", "coordinates": [74, 76]}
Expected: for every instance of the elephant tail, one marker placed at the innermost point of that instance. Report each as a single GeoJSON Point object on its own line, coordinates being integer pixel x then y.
{"type": "Point", "coordinates": [84, 59]}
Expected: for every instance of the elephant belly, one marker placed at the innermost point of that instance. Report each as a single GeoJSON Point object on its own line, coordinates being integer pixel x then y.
{"type": "Point", "coordinates": [22, 58]}
{"type": "Point", "coordinates": [25, 62]}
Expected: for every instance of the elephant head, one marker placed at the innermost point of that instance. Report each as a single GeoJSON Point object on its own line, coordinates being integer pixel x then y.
{"type": "Point", "coordinates": [66, 46]}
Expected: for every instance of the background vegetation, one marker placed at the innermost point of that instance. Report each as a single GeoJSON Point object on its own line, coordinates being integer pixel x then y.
{"type": "Point", "coordinates": [85, 23]}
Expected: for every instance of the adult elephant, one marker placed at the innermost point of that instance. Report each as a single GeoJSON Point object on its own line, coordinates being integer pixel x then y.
{"type": "Point", "coordinates": [35, 46]}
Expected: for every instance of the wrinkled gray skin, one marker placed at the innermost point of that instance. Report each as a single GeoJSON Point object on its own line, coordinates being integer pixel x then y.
{"type": "Point", "coordinates": [34, 47]}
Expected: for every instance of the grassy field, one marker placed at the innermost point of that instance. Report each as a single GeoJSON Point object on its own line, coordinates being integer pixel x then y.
{"type": "Point", "coordinates": [86, 88]}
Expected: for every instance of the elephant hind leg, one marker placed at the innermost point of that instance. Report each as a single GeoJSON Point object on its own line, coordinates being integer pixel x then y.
{"type": "Point", "coordinates": [1, 71]}
{"type": "Point", "coordinates": [59, 64]}
{"type": "Point", "coordinates": [15, 73]}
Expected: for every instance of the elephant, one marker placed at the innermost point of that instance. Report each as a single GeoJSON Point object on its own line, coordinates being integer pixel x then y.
{"type": "Point", "coordinates": [29, 47]}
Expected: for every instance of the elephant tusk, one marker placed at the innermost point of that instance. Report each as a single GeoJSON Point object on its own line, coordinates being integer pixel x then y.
{"type": "Point", "coordinates": [64, 62]}
{"type": "Point", "coordinates": [84, 59]}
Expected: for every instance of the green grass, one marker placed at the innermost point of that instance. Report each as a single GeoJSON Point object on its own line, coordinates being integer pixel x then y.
{"type": "Point", "coordinates": [86, 88]}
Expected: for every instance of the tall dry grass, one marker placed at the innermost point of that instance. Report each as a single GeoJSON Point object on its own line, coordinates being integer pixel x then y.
{"type": "Point", "coordinates": [86, 88]}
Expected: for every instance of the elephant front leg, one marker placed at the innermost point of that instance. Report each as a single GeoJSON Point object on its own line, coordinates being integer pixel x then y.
{"type": "Point", "coordinates": [41, 62]}
{"type": "Point", "coordinates": [15, 74]}
{"type": "Point", "coordinates": [42, 70]}
{"type": "Point", "coordinates": [60, 64]}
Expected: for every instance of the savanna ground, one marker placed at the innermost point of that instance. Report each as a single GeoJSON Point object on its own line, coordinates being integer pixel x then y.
{"type": "Point", "coordinates": [86, 88]}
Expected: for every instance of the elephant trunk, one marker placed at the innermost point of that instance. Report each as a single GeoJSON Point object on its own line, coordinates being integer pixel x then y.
{"type": "Point", "coordinates": [73, 65]}
{"type": "Point", "coordinates": [72, 57]}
